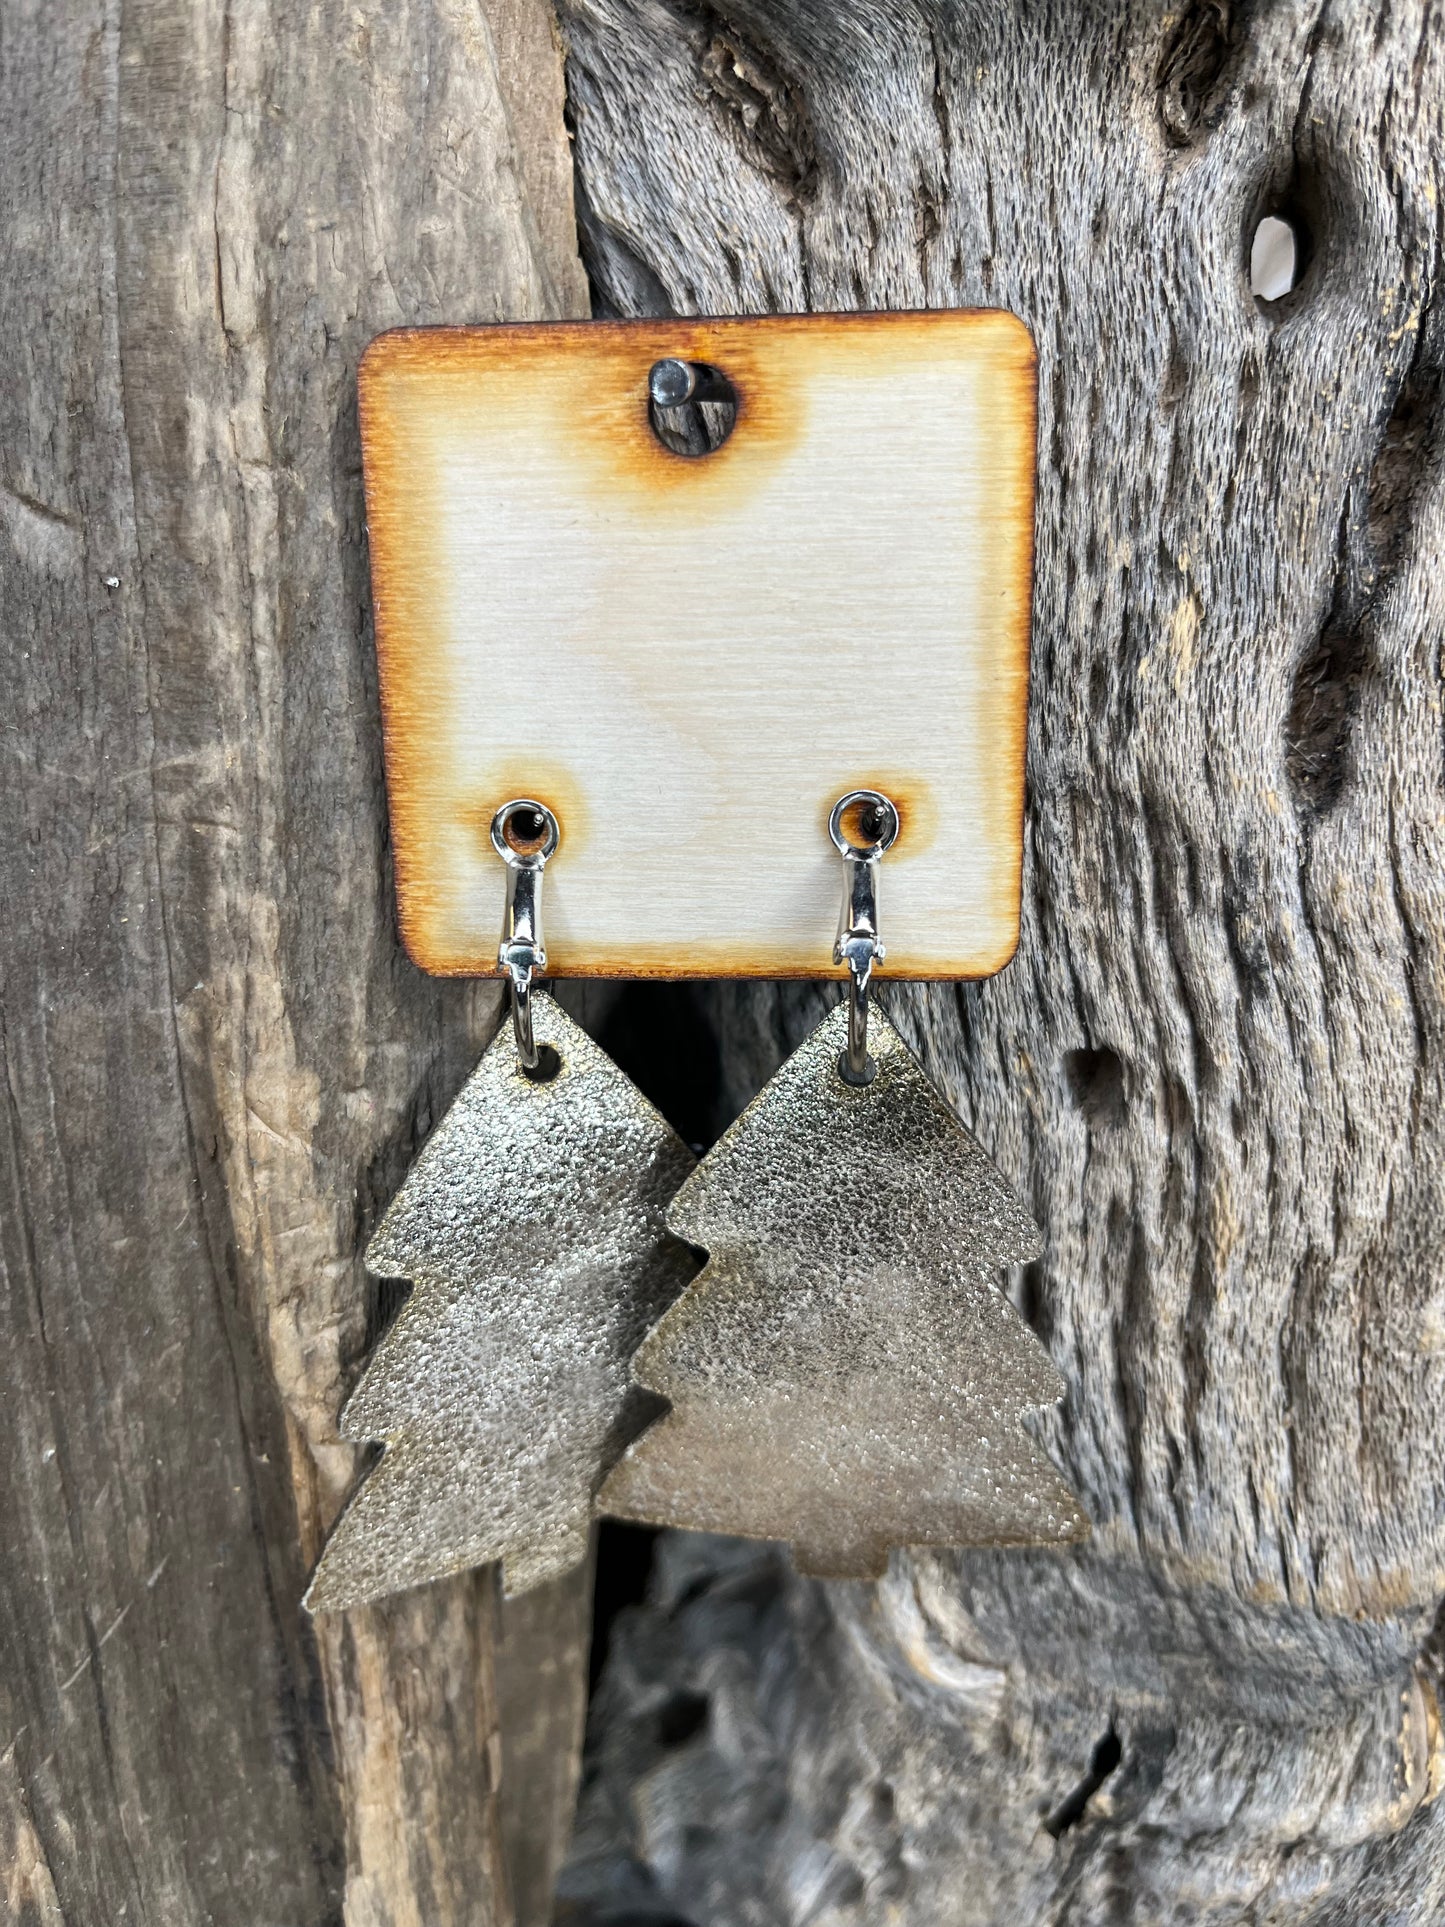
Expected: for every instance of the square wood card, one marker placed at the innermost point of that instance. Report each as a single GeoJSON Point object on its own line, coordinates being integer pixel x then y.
{"type": "Point", "coordinates": [690, 658]}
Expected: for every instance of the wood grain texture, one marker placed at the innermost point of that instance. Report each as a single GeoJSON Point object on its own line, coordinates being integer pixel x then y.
{"type": "Point", "coordinates": [542, 1664]}
{"type": "Point", "coordinates": [216, 1065]}
{"type": "Point", "coordinates": [856, 558]}
{"type": "Point", "coordinates": [1215, 1068]}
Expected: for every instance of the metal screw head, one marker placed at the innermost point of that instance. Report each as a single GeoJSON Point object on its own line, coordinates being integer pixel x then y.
{"type": "Point", "coordinates": [671, 382]}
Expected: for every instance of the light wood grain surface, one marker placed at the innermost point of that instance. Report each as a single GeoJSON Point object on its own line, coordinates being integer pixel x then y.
{"type": "Point", "coordinates": [690, 658]}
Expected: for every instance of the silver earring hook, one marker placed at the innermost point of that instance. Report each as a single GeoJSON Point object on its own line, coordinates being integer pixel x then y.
{"type": "Point", "coordinates": [524, 835]}
{"type": "Point", "coordinates": [863, 825]}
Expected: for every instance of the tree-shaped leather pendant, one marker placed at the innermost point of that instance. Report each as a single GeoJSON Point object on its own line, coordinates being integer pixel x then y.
{"type": "Point", "coordinates": [846, 1373]}
{"type": "Point", "coordinates": [532, 1229]}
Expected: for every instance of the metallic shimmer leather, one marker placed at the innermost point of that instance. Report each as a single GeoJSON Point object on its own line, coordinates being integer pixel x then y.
{"type": "Point", "coordinates": [846, 1373]}
{"type": "Point", "coordinates": [532, 1228]}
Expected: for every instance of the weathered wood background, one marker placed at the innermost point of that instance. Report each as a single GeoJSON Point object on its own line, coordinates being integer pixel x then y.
{"type": "Point", "coordinates": [1214, 1071]}
{"type": "Point", "coordinates": [217, 1062]}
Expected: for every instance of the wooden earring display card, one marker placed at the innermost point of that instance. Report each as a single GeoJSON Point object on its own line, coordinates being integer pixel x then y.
{"type": "Point", "coordinates": [689, 658]}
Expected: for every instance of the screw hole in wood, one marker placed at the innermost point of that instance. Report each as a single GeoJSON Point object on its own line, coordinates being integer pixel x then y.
{"type": "Point", "coordinates": [866, 824]}
{"type": "Point", "coordinates": [692, 406]}
{"type": "Point", "coordinates": [525, 830]}
{"type": "Point", "coordinates": [868, 821]}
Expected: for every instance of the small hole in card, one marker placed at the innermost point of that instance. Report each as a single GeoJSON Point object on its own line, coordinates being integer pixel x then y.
{"type": "Point", "coordinates": [867, 820]}
{"type": "Point", "coordinates": [692, 406]}
{"type": "Point", "coordinates": [865, 824]}
{"type": "Point", "coordinates": [524, 830]}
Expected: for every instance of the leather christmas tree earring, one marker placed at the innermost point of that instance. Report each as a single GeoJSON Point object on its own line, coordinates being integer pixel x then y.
{"type": "Point", "coordinates": [845, 1373]}
{"type": "Point", "coordinates": [531, 1229]}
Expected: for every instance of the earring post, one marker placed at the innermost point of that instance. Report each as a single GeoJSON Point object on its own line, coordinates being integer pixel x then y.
{"type": "Point", "coordinates": [858, 943]}
{"type": "Point", "coordinates": [521, 952]}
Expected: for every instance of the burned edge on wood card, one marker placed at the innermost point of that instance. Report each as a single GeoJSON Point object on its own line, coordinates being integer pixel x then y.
{"type": "Point", "coordinates": [689, 658]}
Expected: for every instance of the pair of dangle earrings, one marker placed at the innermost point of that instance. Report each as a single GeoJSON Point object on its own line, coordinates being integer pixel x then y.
{"type": "Point", "coordinates": [844, 1373]}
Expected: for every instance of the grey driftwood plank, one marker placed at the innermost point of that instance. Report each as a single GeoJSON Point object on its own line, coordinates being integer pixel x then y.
{"type": "Point", "coordinates": [1215, 1069]}
{"type": "Point", "coordinates": [217, 1064]}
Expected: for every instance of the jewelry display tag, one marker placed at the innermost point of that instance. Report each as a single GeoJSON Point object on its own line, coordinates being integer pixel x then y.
{"type": "Point", "coordinates": [689, 657]}
{"type": "Point", "coordinates": [680, 614]}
